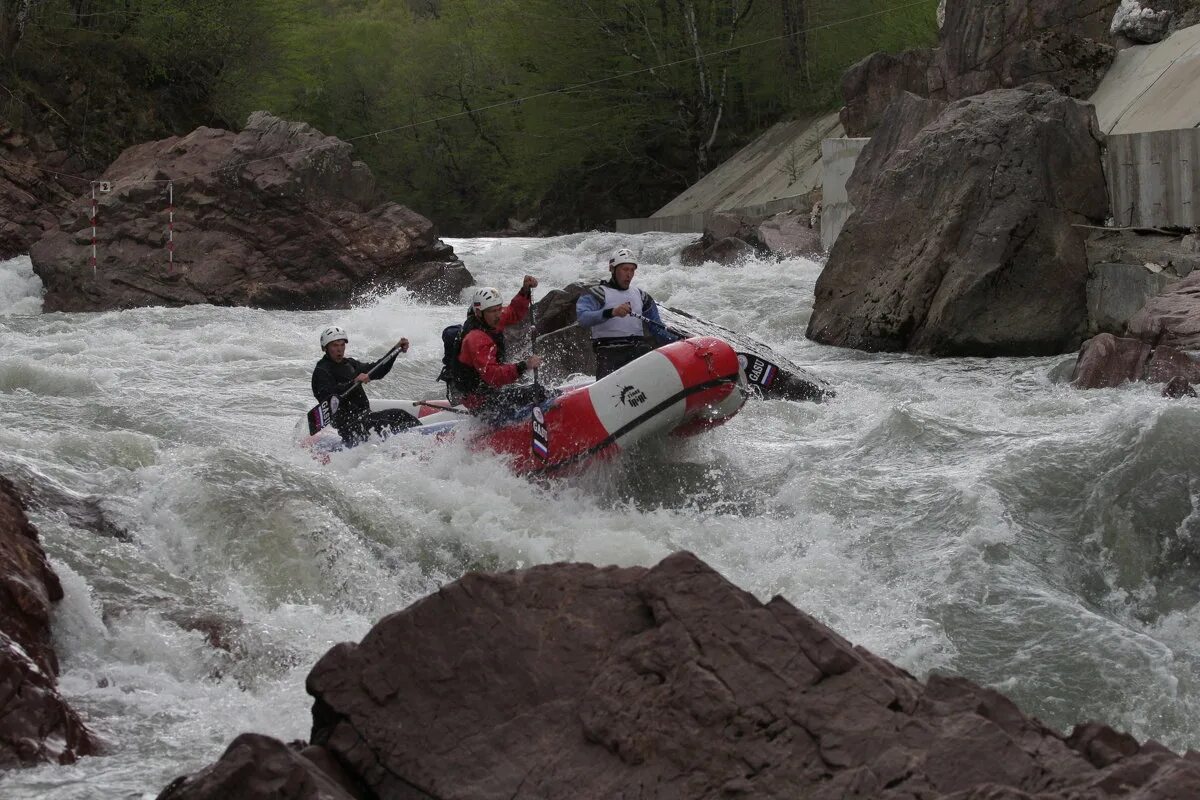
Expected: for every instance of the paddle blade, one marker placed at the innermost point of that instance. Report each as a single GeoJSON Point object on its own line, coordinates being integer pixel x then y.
{"type": "Point", "coordinates": [319, 416]}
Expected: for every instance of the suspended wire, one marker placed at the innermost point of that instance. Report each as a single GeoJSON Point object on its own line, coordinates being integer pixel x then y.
{"type": "Point", "coordinates": [514, 101]}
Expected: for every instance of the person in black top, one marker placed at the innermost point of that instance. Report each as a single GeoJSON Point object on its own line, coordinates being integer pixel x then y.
{"type": "Point", "coordinates": [336, 374]}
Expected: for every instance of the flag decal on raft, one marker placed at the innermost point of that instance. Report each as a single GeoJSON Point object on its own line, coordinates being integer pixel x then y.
{"type": "Point", "coordinates": [541, 437]}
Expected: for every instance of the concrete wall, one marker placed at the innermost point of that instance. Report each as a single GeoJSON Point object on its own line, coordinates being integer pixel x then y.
{"type": "Point", "coordinates": [838, 157]}
{"type": "Point", "coordinates": [1154, 178]}
{"type": "Point", "coordinates": [694, 223]}
{"type": "Point", "coordinates": [783, 162]}
{"type": "Point", "coordinates": [1152, 87]}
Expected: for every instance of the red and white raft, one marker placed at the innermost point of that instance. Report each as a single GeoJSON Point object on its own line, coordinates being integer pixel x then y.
{"type": "Point", "coordinates": [680, 389]}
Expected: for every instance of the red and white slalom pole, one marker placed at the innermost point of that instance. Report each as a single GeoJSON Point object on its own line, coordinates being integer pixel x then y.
{"type": "Point", "coordinates": [95, 211]}
{"type": "Point", "coordinates": [170, 223]}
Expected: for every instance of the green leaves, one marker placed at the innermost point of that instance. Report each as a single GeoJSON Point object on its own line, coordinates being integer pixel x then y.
{"type": "Point", "coordinates": [475, 111]}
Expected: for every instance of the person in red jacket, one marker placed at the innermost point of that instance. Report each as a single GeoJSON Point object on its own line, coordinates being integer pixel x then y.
{"type": "Point", "coordinates": [487, 384]}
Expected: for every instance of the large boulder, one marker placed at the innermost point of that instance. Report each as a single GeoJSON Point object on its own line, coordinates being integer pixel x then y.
{"type": "Point", "coordinates": [902, 120]}
{"type": "Point", "coordinates": [570, 680]}
{"type": "Point", "coordinates": [985, 45]}
{"type": "Point", "coordinates": [966, 243]}
{"type": "Point", "coordinates": [36, 724]}
{"type": "Point", "coordinates": [276, 216]}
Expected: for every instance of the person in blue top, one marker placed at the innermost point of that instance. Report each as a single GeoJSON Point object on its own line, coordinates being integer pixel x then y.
{"type": "Point", "coordinates": [607, 309]}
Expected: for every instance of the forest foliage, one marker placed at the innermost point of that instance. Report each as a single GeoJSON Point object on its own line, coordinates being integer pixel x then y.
{"type": "Point", "coordinates": [471, 111]}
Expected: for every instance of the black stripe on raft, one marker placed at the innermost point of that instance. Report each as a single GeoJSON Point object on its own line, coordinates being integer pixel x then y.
{"type": "Point", "coordinates": [649, 414]}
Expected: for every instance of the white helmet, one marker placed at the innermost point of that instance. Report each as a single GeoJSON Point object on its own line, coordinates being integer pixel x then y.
{"type": "Point", "coordinates": [485, 298]}
{"type": "Point", "coordinates": [332, 334]}
{"type": "Point", "coordinates": [622, 256]}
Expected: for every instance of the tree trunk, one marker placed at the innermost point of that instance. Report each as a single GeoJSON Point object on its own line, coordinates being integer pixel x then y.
{"type": "Point", "coordinates": [795, 25]}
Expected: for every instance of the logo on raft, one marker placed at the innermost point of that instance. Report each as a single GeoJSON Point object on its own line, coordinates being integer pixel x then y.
{"type": "Point", "coordinates": [631, 396]}
{"type": "Point", "coordinates": [541, 436]}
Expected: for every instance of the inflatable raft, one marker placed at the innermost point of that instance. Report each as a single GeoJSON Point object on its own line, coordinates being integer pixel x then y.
{"type": "Point", "coordinates": [680, 389]}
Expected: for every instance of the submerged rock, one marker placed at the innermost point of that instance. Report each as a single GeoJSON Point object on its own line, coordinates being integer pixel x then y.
{"type": "Point", "coordinates": [276, 216]}
{"type": "Point", "coordinates": [1178, 388]}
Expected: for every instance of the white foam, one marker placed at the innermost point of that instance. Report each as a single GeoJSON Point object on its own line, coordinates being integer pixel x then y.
{"type": "Point", "coordinates": [20, 289]}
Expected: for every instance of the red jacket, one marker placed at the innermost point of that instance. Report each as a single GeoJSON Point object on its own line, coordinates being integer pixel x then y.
{"type": "Point", "coordinates": [479, 351]}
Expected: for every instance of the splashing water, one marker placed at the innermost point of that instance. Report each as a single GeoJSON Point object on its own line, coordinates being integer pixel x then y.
{"type": "Point", "coordinates": [966, 516]}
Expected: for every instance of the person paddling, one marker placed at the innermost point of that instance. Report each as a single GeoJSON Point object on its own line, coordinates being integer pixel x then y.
{"type": "Point", "coordinates": [486, 384]}
{"type": "Point", "coordinates": [611, 310]}
{"type": "Point", "coordinates": [336, 374]}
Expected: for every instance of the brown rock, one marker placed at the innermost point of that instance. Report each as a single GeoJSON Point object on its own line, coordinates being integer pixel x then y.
{"type": "Point", "coordinates": [790, 234]}
{"type": "Point", "coordinates": [985, 45]}
{"type": "Point", "coordinates": [1173, 317]}
{"type": "Point", "coordinates": [1106, 361]}
{"type": "Point", "coordinates": [1177, 388]}
{"type": "Point", "coordinates": [727, 239]}
{"type": "Point", "coordinates": [34, 190]}
{"type": "Point", "coordinates": [902, 120]}
{"type": "Point", "coordinates": [276, 216]}
{"type": "Point", "coordinates": [991, 44]}
{"type": "Point", "coordinates": [574, 681]}
{"type": "Point", "coordinates": [36, 724]}
{"type": "Point", "coordinates": [27, 583]}
{"type": "Point", "coordinates": [256, 767]}
{"type": "Point", "coordinates": [966, 243]}
{"type": "Point", "coordinates": [873, 83]}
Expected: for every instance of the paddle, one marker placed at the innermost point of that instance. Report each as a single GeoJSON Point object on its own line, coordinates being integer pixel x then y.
{"type": "Point", "coordinates": [320, 415]}
{"type": "Point", "coordinates": [533, 337]}
{"type": "Point", "coordinates": [759, 371]}
{"type": "Point", "coordinates": [440, 407]}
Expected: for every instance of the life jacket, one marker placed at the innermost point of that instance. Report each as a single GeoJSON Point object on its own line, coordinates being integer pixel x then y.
{"type": "Point", "coordinates": [461, 379]}
{"type": "Point", "coordinates": [619, 331]}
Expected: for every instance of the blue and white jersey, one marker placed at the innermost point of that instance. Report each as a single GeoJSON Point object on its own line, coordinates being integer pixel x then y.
{"type": "Point", "coordinates": [594, 307]}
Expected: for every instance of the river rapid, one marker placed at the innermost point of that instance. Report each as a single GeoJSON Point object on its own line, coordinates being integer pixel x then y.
{"type": "Point", "coordinates": [964, 516]}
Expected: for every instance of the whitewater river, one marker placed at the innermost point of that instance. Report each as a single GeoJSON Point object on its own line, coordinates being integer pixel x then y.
{"type": "Point", "coordinates": [966, 516]}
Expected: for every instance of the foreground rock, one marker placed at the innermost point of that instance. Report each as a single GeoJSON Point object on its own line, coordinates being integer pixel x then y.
{"type": "Point", "coordinates": [572, 681]}
{"type": "Point", "coordinates": [567, 347]}
{"type": "Point", "coordinates": [966, 242]}
{"type": "Point", "coordinates": [276, 216]}
{"type": "Point", "coordinates": [1106, 361]}
{"type": "Point", "coordinates": [985, 45]}
{"type": "Point", "coordinates": [36, 725]}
